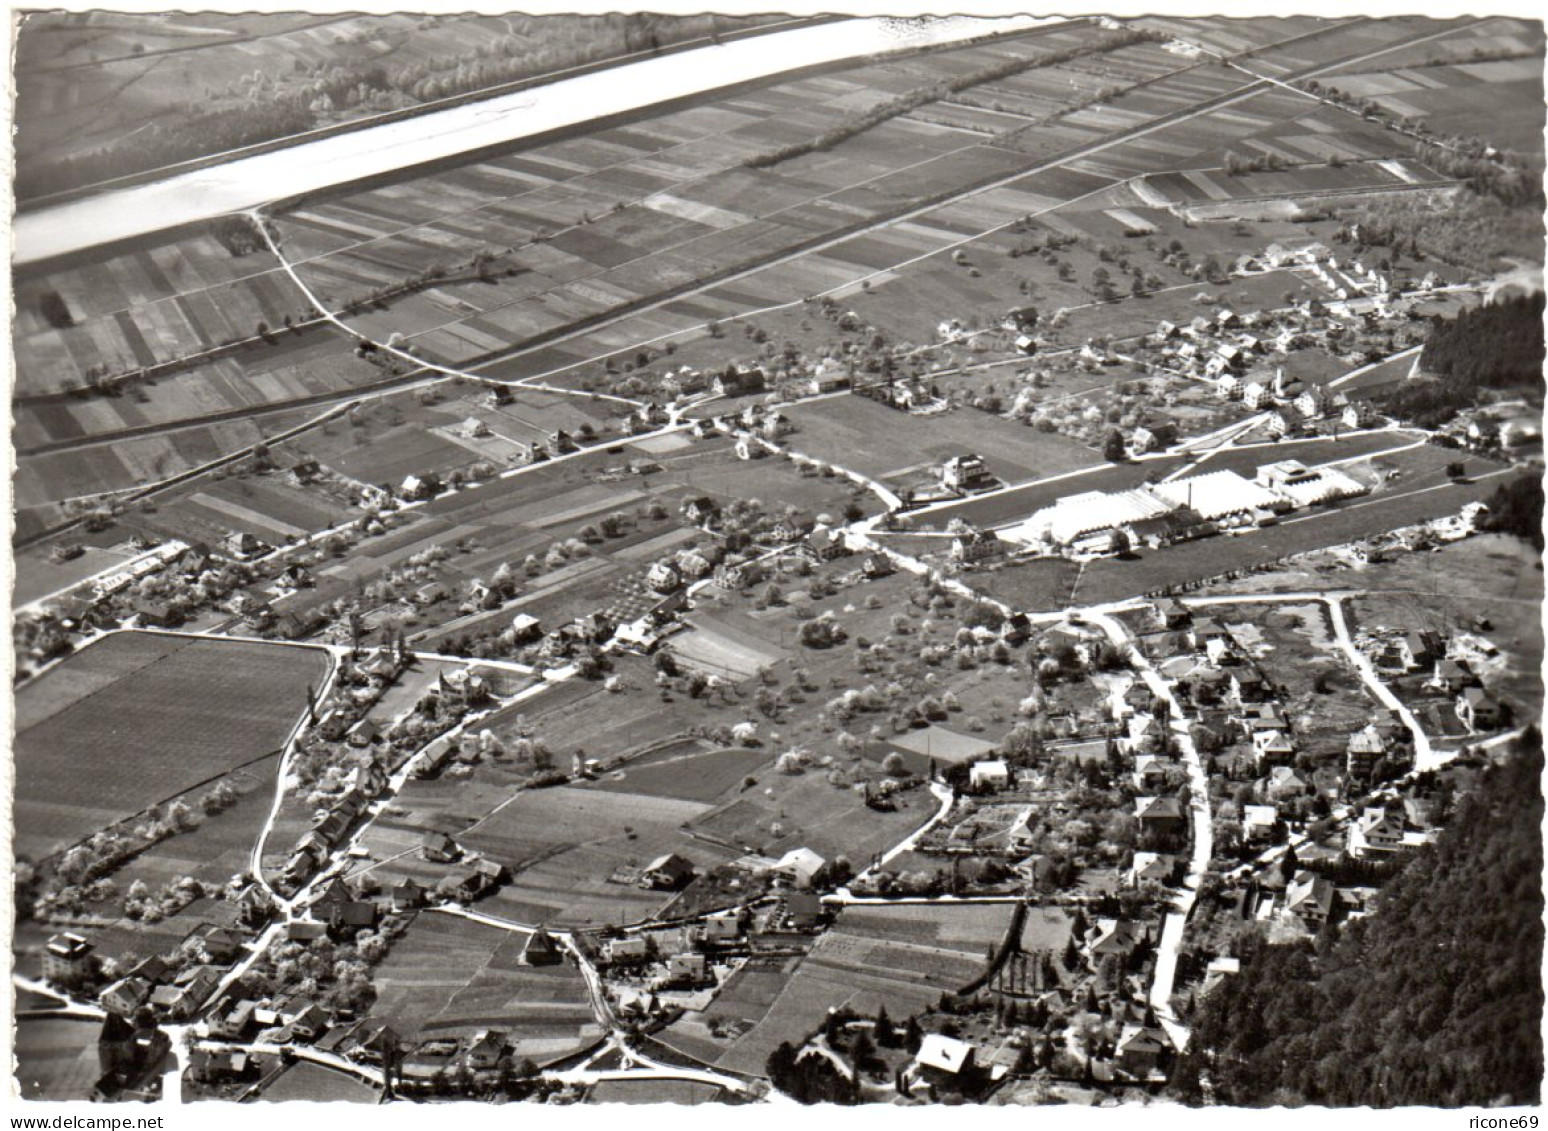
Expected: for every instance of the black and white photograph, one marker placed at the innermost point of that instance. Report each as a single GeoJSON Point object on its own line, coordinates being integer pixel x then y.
{"type": "Point", "coordinates": [745, 558]}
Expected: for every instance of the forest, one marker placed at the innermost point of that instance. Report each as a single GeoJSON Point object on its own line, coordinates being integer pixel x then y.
{"type": "Point", "coordinates": [1517, 508]}
{"type": "Point", "coordinates": [1495, 346]}
{"type": "Point", "coordinates": [1434, 999]}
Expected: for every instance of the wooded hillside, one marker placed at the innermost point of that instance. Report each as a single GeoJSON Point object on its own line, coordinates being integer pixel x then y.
{"type": "Point", "coordinates": [1434, 999]}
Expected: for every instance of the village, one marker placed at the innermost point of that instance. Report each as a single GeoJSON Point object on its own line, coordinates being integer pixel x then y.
{"type": "Point", "coordinates": [933, 687]}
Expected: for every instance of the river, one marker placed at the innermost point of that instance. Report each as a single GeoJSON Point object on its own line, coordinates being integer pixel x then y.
{"type": "Point", "coordinates": [249, 182]}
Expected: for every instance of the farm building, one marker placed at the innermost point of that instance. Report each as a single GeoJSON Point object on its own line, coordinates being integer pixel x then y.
{"type": "Point", "coordinates": [799, 866]}
{"type": "Point", "coordinates": [667, 873]}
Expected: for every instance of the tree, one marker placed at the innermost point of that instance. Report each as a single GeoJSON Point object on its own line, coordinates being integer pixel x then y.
{"type": "Point", "coordinates": [886, 1034]}
{"type": "Point", "coordinates": [1113, 448]}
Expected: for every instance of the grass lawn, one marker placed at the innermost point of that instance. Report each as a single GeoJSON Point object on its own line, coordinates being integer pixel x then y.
{"type": "Point", "coordinates": [316, 1084]}
{"type": "Point", "coordinates": [56, 1058]}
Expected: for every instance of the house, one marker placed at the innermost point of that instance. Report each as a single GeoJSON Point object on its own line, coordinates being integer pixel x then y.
{"type": "Point", "coordinates": [408, 895]}
{"type": "Point", "coordinates": [352, 915]}
{"type": "Point", "coordinates": [330, 829]}
{"type": "Point", "coordinates": [720, 930]}
{"type": "Point", "coordinates": [1375, 832]}
{"type": "Point", "coordinates": [470, 428]}
{"type": "Point", "coordinates": [305, 1019]}
{"type": "Point", "coordinates": [1247, 685]}
{"type": "Point", "coordinates": [242, 546]}
{"type": "Point", "coordinates": [667, 873]}
{"type": "Point", "coordinates": [69, 960]}
{"type": "Point", "coordinates": [965, 473]}
{"type": "Point", "coordinates": [1310, 898]}
{"type": "Point", "coordinates": [1229, 386]}
{"type": "Point", "coordinates": [1258, 823]}
{"type": "Point", "coordinates": [375, 1042]}
{"type": "Point", "coordinates": [1159, 814]}
{"type": "Point", "coordinates": [701, 510]}
{"type": "Point", "coordinates": [975, 546]}
{"type": "Point", "coordinates": [1254, 394]}
{"type": "Point", "coordinates": [824, 545]}
{"type": "Point", "coordinates": [219, 1066]}
{"type": "Point", "coordinates": [1359, 414]}
{"type": "Point", "coordinates": [1150, 772]}
{"type": "Point", "coordinates": [1153, 437]}
{"type": "Point", "coordinates": [1313, 402]}
{"type": "Point", "coordinates": [799, 866]}
{"type": "Point", "coordinates": [1451, 676]}
{"type": "Point", "coordinates": [1366, 747]}
{"type": "Point", "coordinates": [1284, 784]}
{"type": "Point", "coordinates": [627, 951]}
{"type": "Point", "coordinates": [439, 848]}
{"type": "Point", "coordinates": [479, 880]}
{"type": "Point", "coordinates": [1218, 970]}
{"type": "Point", "coordinates": [417, 487]}
{"type": "Point", "coordinates": [687, 968]}
{"type": "Point", "coordinates": [232, 1023]}
{"type": "Point", "coordinates": [525, 628]}
{"type": "Point", "coordinates": [1141, 1050]}
{"type": "Point", "coordinates": [485, 1050]}
{"type": "Point", "coordinates": [663, 577]}
{"type": "Point", "coordinates": [541, 949]}
{"type": "Point", "coordinates": [1272, 747]}
{"type": "Point", "coordinates": [1172, 614]}
{"type": "Point", "coordinates": [1417, 650]}
{"type": "Point", "coordinates": [990, 775]}
{"type": "Point", "coordinates": [829, 376]}
{"type": "Point", "coordinates": [1277, 424]}
{"type": "Point", "coordinates": [157, 614]}
{"type": "Point", "coordinates": [876, 565]}
{"type": "Point", "coordinates": [126, 995]}
{"type": "Point", "coordinates": [734, 382]}
{"type": "Point", "coordinates": [305, 930]}
{"type": "Point", "coordinates": [1479, 710]}
{"type": "Point", "coordinates": [1151, 868]}
{"type": "Point", "coordinates": [223, 945]}
{"type": "Point", "coordinates": [942, 1059]}
{"type": "Point", "coordinates": [1118, 937]}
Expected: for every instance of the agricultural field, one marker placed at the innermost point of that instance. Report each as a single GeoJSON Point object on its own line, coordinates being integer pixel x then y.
{"type": "Point", "coordinates": [700, 773]}
{"type": "Point", "coordinates": [195, 709]}
{"type": "Point", "coordinates": [563, 846]}
{"type": "Point", "coordinates": [447, 977]}
{"type": "Point", "coordinates": [869, 437]}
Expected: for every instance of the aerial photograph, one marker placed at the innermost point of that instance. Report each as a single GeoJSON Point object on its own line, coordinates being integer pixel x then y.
{"type": "Point", "coordinates": [765, 558]}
